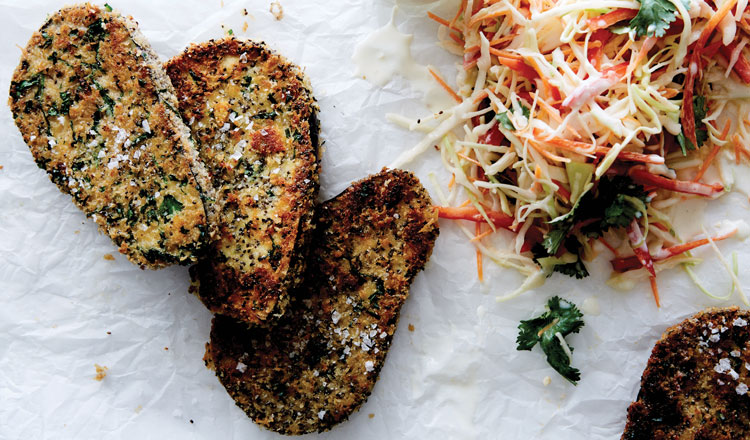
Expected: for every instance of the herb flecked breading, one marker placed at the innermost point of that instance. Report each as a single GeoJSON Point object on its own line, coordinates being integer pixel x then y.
{"type": "Point", "coordinates": [253, 116]}
{"type": "Point", "coordinates": [319, 362]}
{"type": "Point", "coordinates": [98, 113]}
{"type": "Point", "coordinates": [695, 386]}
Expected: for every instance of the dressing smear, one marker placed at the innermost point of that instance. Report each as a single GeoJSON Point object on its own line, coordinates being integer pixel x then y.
{"type": "Point", "coordinates": [386, 53]}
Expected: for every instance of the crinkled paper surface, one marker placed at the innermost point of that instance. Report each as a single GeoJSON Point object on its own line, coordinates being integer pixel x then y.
{"type": "Point", "coordinates": [453, 371]}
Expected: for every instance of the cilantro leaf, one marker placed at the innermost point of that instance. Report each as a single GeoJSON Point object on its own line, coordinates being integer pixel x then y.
{"type": "Point", "coordinates": [609, 205]}
{"type": "Point", "coordinates": [576, 269]}
{"type": "Point", "coordinates": [504, 120]}
{"type": "Point", "coordinates": [169, 206]}
{"type": "Point", "coordinates": [553, 240]}
{"type": "Point", "coordinates": [561, 317]}
{"type": "Point", "coordinates": [654, 17]}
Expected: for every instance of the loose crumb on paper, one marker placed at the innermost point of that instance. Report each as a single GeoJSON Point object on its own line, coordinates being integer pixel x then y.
{"type": "Point", "coordinates": [244, 26]}
{"type": "Point", "coordinates": [138, 409]}
{"type": "Point", "coordinates": [101, 372]}
{"type": "Point", "coordinates": [547, 380]}
{"type": "Point", "coordinates": [411, 327]}
{"type": "Point", "coordinates": [276, 10]}
{"type": "Point", "coordinates": [371, 415]}
{"type": "Point", "coordinates": [109, 257]}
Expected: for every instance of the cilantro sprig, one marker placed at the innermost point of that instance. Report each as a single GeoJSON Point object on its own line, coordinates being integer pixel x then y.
{"type": "Point", "coordinates": [612, 204]}
{"type": "Point", "coordinates": [654, 17]}
{"type": "Point", "coordinates": [562, 317]}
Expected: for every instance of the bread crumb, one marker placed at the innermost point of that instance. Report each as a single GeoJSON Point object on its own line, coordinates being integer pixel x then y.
{"type": "Point", "coordinates": [276, 10]}
{"type": "Point", "coordinates": [1, 167]}
{"type": "Point", "coordinates": [76, 232]}
{"type": "Point", "coordinates": [109, 257]}
{"type": "Point", "coordinates": [101, 372]}
{"type": "Point", "coordinates": [138, 409]}
{"type": "Point", "coordinates": [411, 327]}
{"type": "Point", "coordinates": [166, 348]}
{"type": "Point", "coordinates": [371, 415]}
{"type": "Point", "coordinates": [244, 26]}
{"type": "Point", "coordinates": [547, 380]}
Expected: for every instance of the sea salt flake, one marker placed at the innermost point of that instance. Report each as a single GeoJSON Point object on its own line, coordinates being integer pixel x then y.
{"type": "Point", "coordinates": [735, 353]}
{"type": "Point", "coordinates": [241, 367]}
{"type": "Point", "coordinates": [741, 389]}
{"type": "Point", "coordinates": [739, 322]}
{"type": "Point", "coordinates": [369, 366]}
{"type": "Point", "coordinates": [321, 414]}
{"type": "Point", "coordinates": [335, 316]}
{"type": "Point", "coordinates": [723, 366]}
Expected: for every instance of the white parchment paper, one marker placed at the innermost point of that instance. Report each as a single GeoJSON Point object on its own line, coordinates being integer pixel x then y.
{"type": "Point", "coordinates": [456, 375]}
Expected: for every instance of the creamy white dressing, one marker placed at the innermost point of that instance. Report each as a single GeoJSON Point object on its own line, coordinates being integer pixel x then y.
{"type": "Point", "coordinates": [687, 217]}
{"type": "Point", "coordinates": [386, 53]}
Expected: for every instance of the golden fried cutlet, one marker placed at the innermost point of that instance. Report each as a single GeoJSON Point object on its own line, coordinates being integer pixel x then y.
{"type": "Point", "coordinates": [99, 114]}
{"type": "Point", "coordinates": [319, 362]}
{"type": "Point", "coordinates": [695, 386]}
{"type": "Point", "coordinates": [254, 118]}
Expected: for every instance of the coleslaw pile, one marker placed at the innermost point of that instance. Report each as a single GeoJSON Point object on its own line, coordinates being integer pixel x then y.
{"type": "Point", "coordinates": [585, 121]}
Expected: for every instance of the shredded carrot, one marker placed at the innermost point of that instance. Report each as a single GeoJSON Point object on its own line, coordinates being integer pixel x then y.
{"type": "Point", "coordinates": [475, 20]}
{"type": "Point", "coordinates": [655, 289]}
{"type": "Point", "coordinates": [452, 181]}
{"type": "Point", "coordinates": [480, 272]}
{"type": "Point", "coordinates": [465, 157]}
{"type": "Point", "coordinates": [465, 204]}
{"type": "Point", "coordinates": [445, 86]}
{"type": "Point", "coordinates": [669, 92]}
{"type": "Point", "coordinates": [505, 54]}
{"type": "Point", "coordinates": [482, 235]}
{"type": "Point", "coordinates": [483, 94]}
{"type": "Point", "coordinates": [547, 154]}
{"type": "Point", "coordinates": [442, 21]}
{"type": "Point", "coordinates": [503, 39]}
{"type": "Point", "coordinates": [456, 38]}
{"type": "Point", "coordinates": [622, 51]}
{"type": "Point", "coordinates": [458, 14]}
{"type": "Point", "coordinates": [713, 153]}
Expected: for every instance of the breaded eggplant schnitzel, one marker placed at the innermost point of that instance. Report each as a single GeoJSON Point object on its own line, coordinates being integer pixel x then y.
{"type": "Point", "coordinates": [253, 116]}
{"type": "Point", "coordinates": [695, 385]}
{"type": "Point", "coordinates": [320, 361]}
{"type": "Point", "coordinates": [100, 116]}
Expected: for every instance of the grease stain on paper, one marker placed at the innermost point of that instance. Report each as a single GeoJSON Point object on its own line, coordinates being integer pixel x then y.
{"type": "Point", "coordinates": [386, 53]}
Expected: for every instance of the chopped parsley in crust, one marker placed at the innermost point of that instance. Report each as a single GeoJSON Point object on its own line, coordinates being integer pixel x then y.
{"type": "Point", "coordinates": [695, 385]}
{"type": "Point", "coordinates": [99, 115]}
{"type": "Point", "coordinates": [317, 365]}
{"type": "Point", "coordinates": [253, 116]}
